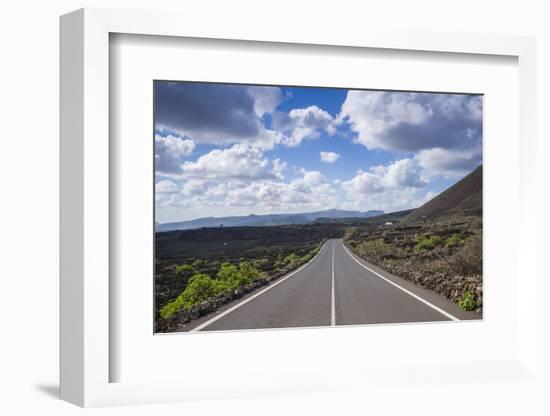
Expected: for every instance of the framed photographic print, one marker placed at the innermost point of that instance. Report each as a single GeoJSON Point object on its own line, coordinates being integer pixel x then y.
{"type": "Point", "coordinates": [270, 200]}
{"type": "Point", "coordinates": [288, 211]}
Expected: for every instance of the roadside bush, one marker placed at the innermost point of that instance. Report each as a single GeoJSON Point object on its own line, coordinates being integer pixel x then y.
{"type": "Point", "coordinates": [292, 259]}
{"type": "Point", "coordinates": [248, 272]}
{"type": "Point", "coordinates": [279, 261]}
{"type": "Point", "coordinates": [170, 309]}
{"type": "Point", "coordinates": [227, 271]}
{"type": "Point", "coordinates": [185, 268]}
{"type": "Point", "coordinates": [427, 243]}
{"type": "Point", "coordinates": [231, 277]}
{"type": "Point", "coordinates": [199, 288]}
{"type": "Point", "coordinates": [352, 243]}
{"type": "Point", "coordinates": [350, 233]}
{"type": "Point", "coordinates": [467, 302]}
{"type": "Point", "coordinates": [307, 257]}
{"type": "Point", "coordinates": [197, 263]}
{"type": "Point", "coordinates": [391, 262]}
{"type": "Point", "coordinates": [261, 263]}
{"type": "Point", "coordinates": [374, 249]}
{"type": "Point", "coordinates": [454, 240]}
{"type": "Point", "coordinates": [469, 260]}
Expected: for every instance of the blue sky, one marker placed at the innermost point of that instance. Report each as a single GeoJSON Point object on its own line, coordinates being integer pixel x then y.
{"type": "Point", "coordinates": [223, 149]}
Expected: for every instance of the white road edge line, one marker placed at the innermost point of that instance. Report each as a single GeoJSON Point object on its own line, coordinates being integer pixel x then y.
{"type": "Point", "coordinates": [333, 300]}
{"type": "Point", "coordinates": [441, 311]}
{"type": "Point", "coordinates": [238, 305]}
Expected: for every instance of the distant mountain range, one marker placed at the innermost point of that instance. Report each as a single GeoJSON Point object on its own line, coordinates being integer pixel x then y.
{"type": "Point", "coordinates": [265, 220]}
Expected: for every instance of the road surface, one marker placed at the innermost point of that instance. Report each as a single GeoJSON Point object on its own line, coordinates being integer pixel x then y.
{"type": "Point", "coordinates": [334, 288]}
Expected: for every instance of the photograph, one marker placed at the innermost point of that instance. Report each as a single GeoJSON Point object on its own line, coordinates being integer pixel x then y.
{"type": "Point", "coordinates": [244, 208]}
{"type": "Point", "coordinates": [281, 206]}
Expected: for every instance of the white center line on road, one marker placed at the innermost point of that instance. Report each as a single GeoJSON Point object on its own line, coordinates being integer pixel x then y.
{"type": "Point", "coordinates": [441, 311]}
{"type": "Point", "coordinates": [238, 305]}
{"type": "Point", "coordinates": [333, 300]}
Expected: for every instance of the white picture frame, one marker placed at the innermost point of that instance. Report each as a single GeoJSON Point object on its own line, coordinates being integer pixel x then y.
{"type": "Point", "coordinates": [85, 354]}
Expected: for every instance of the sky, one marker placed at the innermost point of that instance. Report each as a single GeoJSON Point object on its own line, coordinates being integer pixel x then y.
{"type": "Point", "coordinates": [234, 149]}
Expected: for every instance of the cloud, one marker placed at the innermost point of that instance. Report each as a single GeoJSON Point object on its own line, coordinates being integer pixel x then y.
{"type": "Point", "coordinates": [279, 167]}
{"type": "Point", "coordinates": [329, 157]}
{"type": "Point", "coordinates": [194, 186]}
{"type": "Point", "coordinates": [410, 122]}
{"type": "Point", "coordinates": [404, 173]}
{"type": "Point", "coordinates": [310, 191]}
{"type": "Point", "coordinates": [224, 114]}
{"type": "Point", "coordinates": [393, 187]}
{"type": "Point", "coordinates": [240, 161]}
{"type": "Point", "coordinates": [169, 150]}
{"type": "Point", "coordinates": [214, 113]}
{"type": "Point", "coordinates": [303, 123]}
{"type": "Point", "coordinates": [390, 201]}
{"type": "Point", "coordinates": [449, 163]}
{"type": "Point", "coordinates": [165, 187]}
{"type": "Point", "coordinates": [266, 99]}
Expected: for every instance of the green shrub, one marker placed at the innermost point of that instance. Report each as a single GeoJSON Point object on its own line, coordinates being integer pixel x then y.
{"type": "Point", "coordinates": [227, 271]}
{"type": "Point", "coordinates": [197, 263]}
{"type": "Point", "coordinates": [292, 258]}
{"type": "Point", "coordinates": [261, 263]}
{"type": "Point", "coordinates": [248, 272]}
{"type": "Point", "coordinates": [350, 234]}
{"type": "Point", "coordinates": [170, 309]}
{"type": "Point", "coordinates": [467, 302]}
{"type": "Point", "coordinates": [199, 288]}
{"type": "Point", "coordinates": [374, 248]}
{"type": "Point", "coordinates": [469, 259]}
{"type": "Point", "coordinates": [279, 261]}
{"type": "Point", "coordinates": [231, 277]}
{"type": "Point", "coordinates": [222, 286]}
{"type": "Point", "coordinates": [427, 243]}
{"type": "Point", "coordinates": [312, 253]}
{"type": "Point", "coordinates": [453, 240]}
{"type": "Point", "coordinates": [185, 268]}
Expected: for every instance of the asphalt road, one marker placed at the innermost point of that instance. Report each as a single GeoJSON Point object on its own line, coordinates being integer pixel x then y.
{"type": "Point", "coordinates": [334, 288]}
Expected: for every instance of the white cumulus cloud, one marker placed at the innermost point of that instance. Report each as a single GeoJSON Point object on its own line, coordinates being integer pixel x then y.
{"type": "Point", "coordinates": [266, 99]}
{"type": "Point", "coordinates": [404, 173]}
{"type": "Point", "coordinates": [449, 163]}
{"type": "Point", "coordinates": [279, 167]}
{"type": "Point", "coordinates": [303, 123]}
{"type": "Point", "coordinates": [240, 161]}
{"type": "Point", "coordinates": [329, 157]}
{"type": "Point", "coordinates": [396, 186]}
{"type": "Point", "coordinates": [410, 122]}
{"type": "Point", "coordinates": [165, 187]}
{"type": "Point", "coordinates": [307, 192]}
{"type": "Point", "coordinates": [169, 150]}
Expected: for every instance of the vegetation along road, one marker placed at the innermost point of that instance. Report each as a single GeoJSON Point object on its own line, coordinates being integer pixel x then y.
{"type": "Point", "coordinates": [334, 288]}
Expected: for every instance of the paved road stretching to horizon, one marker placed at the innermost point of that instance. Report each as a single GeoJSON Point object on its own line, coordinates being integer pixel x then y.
{"type": "Point", "coordinates": [334, 288]}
